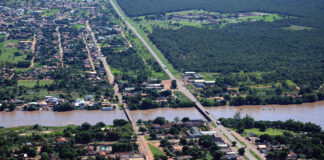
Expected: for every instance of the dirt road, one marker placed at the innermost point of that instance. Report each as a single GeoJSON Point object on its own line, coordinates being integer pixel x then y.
{"type": "Point", "coordinates": [60, 46]}
{"type": "Point", "coordinates": [33, 52]}
{"type": "Point", "coordinates": [89, 53]}
{"type": "Point", "coordinates": [122, 33]}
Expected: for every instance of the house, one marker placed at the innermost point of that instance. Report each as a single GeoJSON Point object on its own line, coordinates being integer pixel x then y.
{"type": "Point", "coordinates": [194, 133]}
{"type": "Point", "coordinates": [292, 155]}
{"type": "Point", "coordinates": [193, 123]}
{"type": "Point", "coordinates": [88, 98]}
{"type": "Point", "coordinates": [79, 103]}
{"type": "Point", "coordinates": [208, 133]}
{"type": "Point", "coordinates": [130, 89]}
{"type": "Point", "coordinates": [33, 105]}
{"type": "Point", "coordinates": [154, 86]}
{"type": "Point", "coordinates": [230, 156]}
{"type": "Point", "coordinates": [199, 83]}
{"type": "Point", "coordinates": [61, 140]}
{"type": "Point", "coordinates": [107, 108]}
{"type": "Point", "coordinates": [263, 149]}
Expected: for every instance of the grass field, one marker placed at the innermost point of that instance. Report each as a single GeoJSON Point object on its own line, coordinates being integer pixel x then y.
{"type": "Point", "coordinates": [155, 151]}
{"type": "Point", "coordinates": [32, 83]}
{"type": "Point", "coordinates": [269, 131]}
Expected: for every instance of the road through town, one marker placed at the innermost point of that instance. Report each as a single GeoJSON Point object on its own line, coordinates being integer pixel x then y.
{"type": "Point", "coordinates": [199, 106]}
{"type": "Point", "coordinates": [102, 58]}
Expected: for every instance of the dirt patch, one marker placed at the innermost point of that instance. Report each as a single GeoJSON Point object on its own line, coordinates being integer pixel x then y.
{"type": "Point", "coordinates": [166, 84]}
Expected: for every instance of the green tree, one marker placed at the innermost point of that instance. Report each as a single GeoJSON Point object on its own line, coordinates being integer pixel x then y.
{"type": "Point", "coordinates": [173, 84]}
{"type": "Point", "coordinates": [241, 151]}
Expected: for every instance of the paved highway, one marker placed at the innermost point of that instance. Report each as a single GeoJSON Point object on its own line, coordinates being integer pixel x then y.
{"type": "Point", "coordinates": [199, 106]}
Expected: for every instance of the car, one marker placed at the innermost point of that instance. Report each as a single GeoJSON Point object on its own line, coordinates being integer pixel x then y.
{"type": "Point", "coordinates": [207, 112]}
{"type": "Point", "coordinates": [218, 122]}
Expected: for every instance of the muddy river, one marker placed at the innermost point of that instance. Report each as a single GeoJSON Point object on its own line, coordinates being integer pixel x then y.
{"type": "Point", "coordinates": [307, 112]}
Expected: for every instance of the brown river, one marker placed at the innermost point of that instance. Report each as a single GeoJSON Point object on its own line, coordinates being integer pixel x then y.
{"type": "Point", "coordinates": [307, 112]}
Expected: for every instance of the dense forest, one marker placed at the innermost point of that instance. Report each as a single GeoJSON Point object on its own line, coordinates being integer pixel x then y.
{"type": "Point", "coordinates": [301, 8]}
{"type": "Point", "coordinates": [247, 47]}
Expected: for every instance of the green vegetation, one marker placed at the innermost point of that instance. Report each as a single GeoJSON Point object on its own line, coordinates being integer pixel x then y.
{"type": "Point", "coordinates": [296, 136]}
{"type": "Point", "coordinates": [78, 26]}
{"type": "Point", "coordinates": [33, 83]}
{"type": "Point", "coordinates": [255, 155]}
{"type": "Point", "coordinates": [10, 54]}
{"type": "Point", "coordinates": [66, 142]}
{"type": "Point", "coordinates": [155, 151]}
{"type": "Point", "coordinates": [269, 131]}
{"type": "Point", "coordinates": [241, 142]}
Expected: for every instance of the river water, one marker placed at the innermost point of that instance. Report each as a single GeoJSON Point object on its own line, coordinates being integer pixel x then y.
{"type": "Point", "coordinates": [307, 112]}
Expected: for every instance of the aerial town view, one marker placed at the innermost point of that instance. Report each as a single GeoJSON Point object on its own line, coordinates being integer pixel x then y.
{"type": "Point", "coordinates": [161, 80]}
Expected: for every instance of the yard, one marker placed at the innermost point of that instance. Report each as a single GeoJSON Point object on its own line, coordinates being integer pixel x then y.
{"type": "Point", "coordinates": [8, 53]}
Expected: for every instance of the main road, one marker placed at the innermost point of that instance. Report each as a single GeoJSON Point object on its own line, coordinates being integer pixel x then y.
{"type": "Point", "coordinates": [186, 92]}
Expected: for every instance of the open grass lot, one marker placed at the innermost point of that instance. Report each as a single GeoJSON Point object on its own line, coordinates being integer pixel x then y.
{"type": "Point", "coordinates": [8, 53]}
{"type": "Point", "coordinates": [155, 151]}
{"type": "Point", "coordinates": [32, 83]}
{"type": "Point", "coordinates": [269, 131]}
